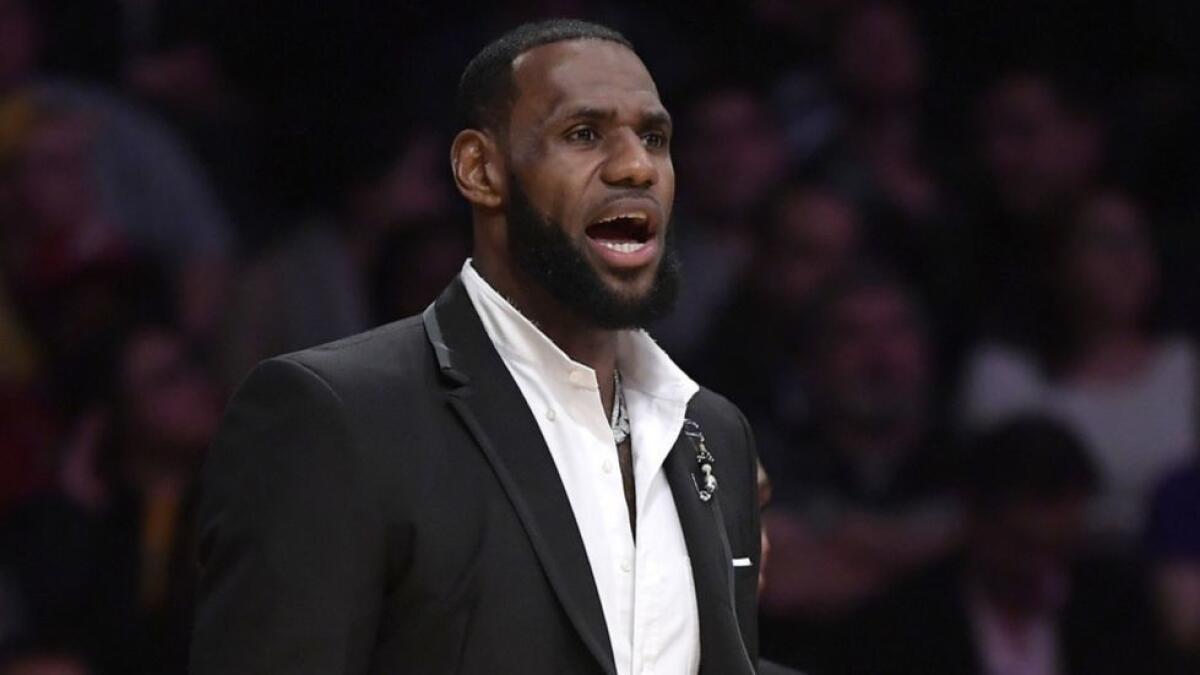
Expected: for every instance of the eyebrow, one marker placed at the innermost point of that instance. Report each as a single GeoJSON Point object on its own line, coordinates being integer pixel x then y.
{"type": "Point", "coordinates": [656, 117]}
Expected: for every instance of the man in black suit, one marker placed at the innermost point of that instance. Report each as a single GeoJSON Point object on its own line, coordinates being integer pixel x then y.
{"type": "Point", "coordinates": [441, 494]}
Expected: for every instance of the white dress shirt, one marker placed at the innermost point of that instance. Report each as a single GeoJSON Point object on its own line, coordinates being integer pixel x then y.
{"type": "Point", "coordinates": [646, 591]}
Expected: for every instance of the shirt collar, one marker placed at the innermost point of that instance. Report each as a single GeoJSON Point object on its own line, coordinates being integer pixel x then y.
{"type": "Point", "coordinates": [643, 364]}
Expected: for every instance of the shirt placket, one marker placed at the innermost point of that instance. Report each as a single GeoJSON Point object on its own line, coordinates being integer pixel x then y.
{"type": "Point", "coordinates": [597, 445]}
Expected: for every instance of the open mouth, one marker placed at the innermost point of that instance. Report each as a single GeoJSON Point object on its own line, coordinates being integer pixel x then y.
{"type": "Point", "coordinates": [622, 233]}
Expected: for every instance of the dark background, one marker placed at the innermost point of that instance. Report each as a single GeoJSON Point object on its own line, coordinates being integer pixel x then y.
{"type": "Point", "coordinates": [942, 254]}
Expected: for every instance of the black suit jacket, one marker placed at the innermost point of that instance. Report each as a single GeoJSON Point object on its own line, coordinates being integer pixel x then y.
{"type": "Point", "coordinates": [387, 504]}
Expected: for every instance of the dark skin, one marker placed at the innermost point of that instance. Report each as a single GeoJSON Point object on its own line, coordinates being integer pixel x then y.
{"type": "Point", "coordinates": [587, 136]}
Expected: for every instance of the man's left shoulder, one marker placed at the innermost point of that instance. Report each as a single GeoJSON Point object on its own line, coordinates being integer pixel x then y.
{"type": "Point", "coordinates": [725, 429]}
{"type": "Point", "coordinates": [712, 410]}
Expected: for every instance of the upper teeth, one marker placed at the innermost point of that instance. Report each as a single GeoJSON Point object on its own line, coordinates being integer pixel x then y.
{"type": "Point", "coordinates": [626, 216]}
{"type": "Point", "coordinates": [623, 246]}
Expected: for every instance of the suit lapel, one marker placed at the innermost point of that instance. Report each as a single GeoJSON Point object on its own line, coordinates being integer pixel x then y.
{"type": "Point", "coordinates": [492, 408]}
{"type": "Point", "coordinates": [721, 649]}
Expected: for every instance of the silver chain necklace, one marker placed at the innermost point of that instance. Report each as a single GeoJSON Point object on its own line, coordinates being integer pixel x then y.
{"type": "Point", "coordinates": [620, 416]}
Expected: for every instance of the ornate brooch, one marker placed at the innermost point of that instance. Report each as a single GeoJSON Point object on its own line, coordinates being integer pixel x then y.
{"type": "Point", "coordinates": [704, 459]}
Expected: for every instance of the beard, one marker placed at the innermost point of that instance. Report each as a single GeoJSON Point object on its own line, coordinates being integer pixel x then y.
{"type": "Point", "coordinates": [541, 249]}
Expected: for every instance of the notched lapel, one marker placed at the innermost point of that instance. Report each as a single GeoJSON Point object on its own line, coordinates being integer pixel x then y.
{"type": "Point", "coordinates": [722, 651]}
{"type": "Point", "coordinates": [493, 410]}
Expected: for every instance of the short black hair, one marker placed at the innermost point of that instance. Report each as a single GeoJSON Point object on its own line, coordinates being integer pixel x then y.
{"type": "Point", "coordinates": [486, 89]}
{"type": "Point", "coordinates": [1027, 456]}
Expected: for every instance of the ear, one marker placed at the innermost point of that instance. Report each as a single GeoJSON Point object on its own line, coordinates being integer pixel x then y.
{"type": "Point", "coordinates": [477, 165]}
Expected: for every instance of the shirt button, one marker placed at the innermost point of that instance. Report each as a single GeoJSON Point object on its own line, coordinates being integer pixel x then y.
{"type": "Point", "coordinates": [625, 566]}
{"type": "Point", "coordinates": [550, 414]}
{"type": "Point", "coordinates": [607, 466]}
{"type": "Point", "coordinates": [578, 378]}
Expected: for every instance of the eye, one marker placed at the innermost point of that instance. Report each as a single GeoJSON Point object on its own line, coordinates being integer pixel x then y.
{"type": "Point", "coordinates": [655, 139]}
{"type": "Point", "coordinates": [582, 135]}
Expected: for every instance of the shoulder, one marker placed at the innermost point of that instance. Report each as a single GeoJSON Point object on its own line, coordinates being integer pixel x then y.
{"type": "Point", "coordinates": [364, 377]}
{"type": "Point", "coordinates": [394, 350]}
{"type": "Point", "coordinates": [718, 415]}
{"type": "Point", "coordinates": [316, 417]}
{"type": "Point", "coordinates": [709, 403]}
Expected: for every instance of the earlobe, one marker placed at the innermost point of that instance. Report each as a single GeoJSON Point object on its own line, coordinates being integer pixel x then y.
{"type": "Point", "coordinates": [473, 159]}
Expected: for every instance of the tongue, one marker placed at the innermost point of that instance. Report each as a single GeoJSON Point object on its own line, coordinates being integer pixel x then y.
{"type": "Point", "coordinates": [613, 231]}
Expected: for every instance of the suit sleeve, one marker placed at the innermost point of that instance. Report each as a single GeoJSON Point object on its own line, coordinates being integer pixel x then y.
{"type": "Point", "coordinates": [290, 552]}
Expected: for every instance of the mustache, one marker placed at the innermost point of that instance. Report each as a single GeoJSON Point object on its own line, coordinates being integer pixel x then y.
{"type": "Point", "coordinates": [625, 194]}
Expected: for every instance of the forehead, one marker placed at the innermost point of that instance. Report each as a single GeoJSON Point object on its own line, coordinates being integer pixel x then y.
{"type": "Point", "coordinates": [588, 72]}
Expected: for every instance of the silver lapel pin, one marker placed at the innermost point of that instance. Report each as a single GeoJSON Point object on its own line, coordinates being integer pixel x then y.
{"type": "Point", "coordinates": [704, 459]}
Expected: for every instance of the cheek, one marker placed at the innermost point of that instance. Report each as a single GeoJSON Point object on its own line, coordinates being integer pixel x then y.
{"type": "Point", "coordinates": [667, 183]}
{"type": "Point", "coordinates": [556, 191]}
{"type": "Point", "coordinates": [668, 198]}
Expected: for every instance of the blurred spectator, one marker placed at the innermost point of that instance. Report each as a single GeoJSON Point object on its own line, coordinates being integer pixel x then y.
{"type": "Point", "coordinates": [172, 61]}
{"type": "Point", "coordinates": [54, 222]}
{"type": "Point", "coordinates": [314, 285]}
{"type": "Point", "coordinates": [1173, 549]}
{"type": "Point", "coordinates": [1042, 142]}
{"type": "Point", "coordinates": [73, 272]}
{"type": "Point", "coordinates": [868, 137]}
{"type": "Point", "coordinates": [1129, 392]}
{"type": "Point", "coordinates": [415, 264]}
{"type": "Point", "coordinates": [146, 185]}
{"type": "Point", "coordinates": [879, 69]}
{"type": "Point", "coordinates": [731, 156]}
{"type": "Point", "coordinates": [884, 159]}
{"type": "Point", "coordinates": [731, 159]}
{"type": "Point", "coordinates": [1020, 599]}
{"type": "Point", "coordinates": [862, 491]}
{"type": "Point", "coordinates": [106, 560]}
{"type": "Point", "coordinates": [810, 235]}
{"type": "Point", "coordinates": [52, 240]}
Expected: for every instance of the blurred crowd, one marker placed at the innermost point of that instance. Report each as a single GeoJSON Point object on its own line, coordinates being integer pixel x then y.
{"type": "Point", "coordinates": [943, 255]}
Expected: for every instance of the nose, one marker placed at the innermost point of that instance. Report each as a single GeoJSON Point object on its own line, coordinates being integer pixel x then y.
{"type": "Point", "coordinates": [629, 163]}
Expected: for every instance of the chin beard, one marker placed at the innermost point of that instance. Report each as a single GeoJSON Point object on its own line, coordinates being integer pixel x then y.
{"type": "Point", "coordinates": [542, 250]}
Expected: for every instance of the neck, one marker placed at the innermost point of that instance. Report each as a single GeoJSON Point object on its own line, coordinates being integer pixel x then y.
{"type": "Point", "coordinates": [579, 339]}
